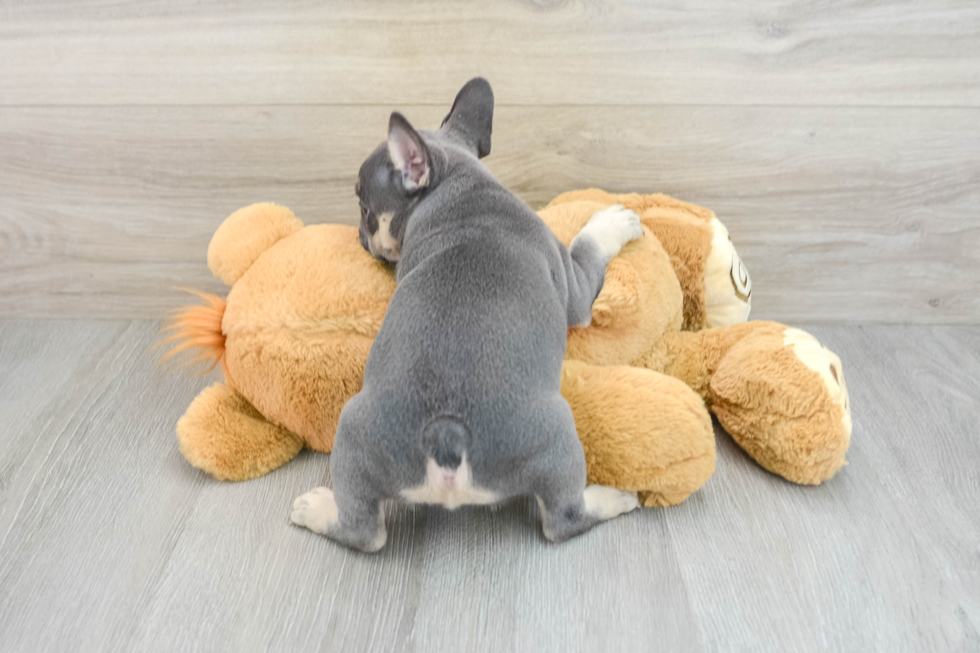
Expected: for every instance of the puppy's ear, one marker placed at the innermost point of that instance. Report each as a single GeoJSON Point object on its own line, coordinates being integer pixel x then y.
{"type": "Point", "coordinates": [408, 152]}
{"type": "Point", "coordinates": [470, 121]}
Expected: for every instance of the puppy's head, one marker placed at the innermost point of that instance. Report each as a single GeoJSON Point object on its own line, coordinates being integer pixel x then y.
{"type": "Point", "coordinates": [407, 167]}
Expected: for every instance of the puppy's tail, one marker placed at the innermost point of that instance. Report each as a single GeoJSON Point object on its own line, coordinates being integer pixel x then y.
{"type": "Point", "coordinates": [446, 439]}
{"type": "Point", "coordinates": [198, 327]}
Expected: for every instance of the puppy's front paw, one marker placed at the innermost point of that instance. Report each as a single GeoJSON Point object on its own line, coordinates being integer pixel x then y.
{"type": "Point", "coordinates": [315, 510]}
{"type": "Point", "coordinates": [607, 502]}
{"type": "Point", "coordinates": [613, 227]}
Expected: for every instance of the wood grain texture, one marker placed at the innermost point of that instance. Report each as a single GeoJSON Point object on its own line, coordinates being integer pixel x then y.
{"type": "Point", "coordinates": [836, 139]}
{"type": "Point", "coordinates": [911, 52]}
{"type": "Point", "coordinates": [94, 495]}
{"type": "Point", "coordinates": [841, 214]}
{"type": "Point", "coordinates": [891, 539]}
{"type": "Point", "coordinates": [111, 541]}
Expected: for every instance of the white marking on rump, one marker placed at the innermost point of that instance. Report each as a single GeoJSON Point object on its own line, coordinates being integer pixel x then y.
{"type": "Point", "coordinates": [451, 488]}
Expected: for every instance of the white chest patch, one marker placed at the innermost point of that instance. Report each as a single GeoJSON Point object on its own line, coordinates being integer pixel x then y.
{"type": "Point", "coordinates": [451, 488]}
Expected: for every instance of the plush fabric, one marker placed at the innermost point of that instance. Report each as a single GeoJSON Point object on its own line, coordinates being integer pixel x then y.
{"type": "Point", "coordinates": [294, 333]}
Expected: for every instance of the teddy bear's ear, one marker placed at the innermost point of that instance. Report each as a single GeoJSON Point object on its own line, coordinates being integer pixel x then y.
{"type": "Point", "coordinates": [244, 235]}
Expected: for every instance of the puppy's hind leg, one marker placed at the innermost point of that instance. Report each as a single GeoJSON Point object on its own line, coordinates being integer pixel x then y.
{"type": "Point", "coordinates": [358, 525]}
{"type": "Point", "coordinates": [568, 507]}
{"type": "Point", "coordinates": [350, 513]}
{"type": "Point", "coordinates": [566, 513]}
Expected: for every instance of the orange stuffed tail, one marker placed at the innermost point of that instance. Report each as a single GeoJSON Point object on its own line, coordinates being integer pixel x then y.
{"type": "Point", "coordinates": [198, 327]}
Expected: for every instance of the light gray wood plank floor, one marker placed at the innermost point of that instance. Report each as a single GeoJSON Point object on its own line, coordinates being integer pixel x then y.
{"type": "Point", "coordinates": [109, 540]}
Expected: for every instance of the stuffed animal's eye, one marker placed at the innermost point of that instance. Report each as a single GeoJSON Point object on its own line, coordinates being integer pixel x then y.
{"type": "Point", "coordinates": [364, 211]}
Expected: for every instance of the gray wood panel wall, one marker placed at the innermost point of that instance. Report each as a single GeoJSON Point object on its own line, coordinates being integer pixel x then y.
{"type": "Point", "coordinates": [839, 141]}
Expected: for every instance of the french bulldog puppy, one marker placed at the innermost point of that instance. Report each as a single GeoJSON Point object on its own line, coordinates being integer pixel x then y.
{"type": "Point", "coordinates": [461, 400]}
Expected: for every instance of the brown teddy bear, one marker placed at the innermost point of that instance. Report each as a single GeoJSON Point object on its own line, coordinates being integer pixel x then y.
{"type": "Point", "coordinates": [668, 339]}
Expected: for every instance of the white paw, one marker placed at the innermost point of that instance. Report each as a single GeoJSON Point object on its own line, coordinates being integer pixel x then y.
{"type": "Point", "coordinates": [607, 502]}
{"type": "Point", "coordinates": [613, 227]}
{"type": "Point", "coordinates": [316, 510]}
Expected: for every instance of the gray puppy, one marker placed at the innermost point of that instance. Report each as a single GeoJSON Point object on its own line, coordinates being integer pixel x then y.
{"type": "Point", "coordinates": [461, 401]}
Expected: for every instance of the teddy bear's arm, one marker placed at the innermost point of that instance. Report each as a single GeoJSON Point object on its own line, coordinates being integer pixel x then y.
{"type": "Point", "coordinates": [641, 430]}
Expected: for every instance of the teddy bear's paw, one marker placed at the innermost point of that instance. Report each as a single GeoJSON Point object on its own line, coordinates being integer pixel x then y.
{"type": "Point", "coordinates": [612, 227]}
{"type": "Point", "coordinates": [607, 502]}
{"type": "Point", "coordinates": [826, 364]}
{"type": "Point", "coordinates": [315, 510]}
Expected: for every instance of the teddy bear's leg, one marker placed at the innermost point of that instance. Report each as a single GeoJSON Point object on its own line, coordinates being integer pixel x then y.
{"type": "Point", "coordinates": [641, 431]}
{"type": "Point", "coordinates": [778, 392]}
{"type": "Point", "coordinates": [225, 436]}
{"type": "Point", "coordinates": [785, 402]}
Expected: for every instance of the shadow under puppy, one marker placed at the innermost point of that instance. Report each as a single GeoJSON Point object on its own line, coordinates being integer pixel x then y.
{"type": "Point", "coordinates": [461, 399]}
